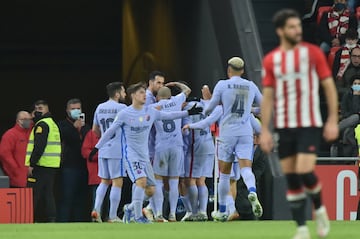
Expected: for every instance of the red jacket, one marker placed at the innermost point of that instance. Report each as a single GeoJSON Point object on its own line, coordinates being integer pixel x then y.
{"type": "Point", "coordinates": [12, 155]}
{"type": "Point", "coordinates": [89, 143]}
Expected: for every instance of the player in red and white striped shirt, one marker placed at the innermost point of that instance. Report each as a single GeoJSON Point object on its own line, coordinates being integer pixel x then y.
{"type": "Point", "coordinates": [292, 75]}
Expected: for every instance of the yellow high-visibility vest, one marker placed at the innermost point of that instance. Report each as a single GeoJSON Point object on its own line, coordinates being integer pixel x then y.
{"type": "Point", "coordinates": [357, 135]}
{"type": "Point", "coordinates": [52, 153]}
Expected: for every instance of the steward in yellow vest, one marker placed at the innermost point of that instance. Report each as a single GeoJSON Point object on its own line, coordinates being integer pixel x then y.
{"type": "Point", "coordinates": [51, 147]}
{"type": "Point", "coordinates": [43, 156]}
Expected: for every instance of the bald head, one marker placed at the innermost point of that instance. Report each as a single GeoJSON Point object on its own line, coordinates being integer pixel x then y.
{"type": "Point", "coordinates": [164, 93]}
{"type": "Point", "coordinates": [24, 119]}
{"type": "Point", "coordinates": [23, 115]}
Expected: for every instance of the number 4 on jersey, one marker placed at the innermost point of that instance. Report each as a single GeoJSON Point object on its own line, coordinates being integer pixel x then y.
{"type": "Point", "coordinates": [239, 104]}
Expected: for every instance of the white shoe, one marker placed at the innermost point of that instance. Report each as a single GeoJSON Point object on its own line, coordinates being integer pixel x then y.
{"type": "Point", "coordinates": [95, 216]}
{"type": "Point", "coordinates": [115, 220]}
{"type": "Point", "coordinates": [159, 218]}
{"type": "Point", "coordinates": [302, 233]}
{"type": "Point", "coordinates": [256, 206]}
{"type": "Point", "coordinates": [219, 216]}
{"type": "Point", "coordinates": [172, 218]}
{"type": "Point", "coordinates": [128, 214]}
{"type": "Point", "coordinates": [322, 222]}
{"type": "Point", "coordinates": [186, 217]}
{"type": "Point", "coordinates": [148, 213]}
{"type": "Point", "coordinates": [202, 216]}
{"type": "Point", "coordinates": [233, 216]}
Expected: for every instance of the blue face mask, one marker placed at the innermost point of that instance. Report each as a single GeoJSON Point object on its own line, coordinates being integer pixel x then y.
{"type": "Point", "coordinates": [75, 114]}
{"type": "Point", "coordinates": [355, 87]}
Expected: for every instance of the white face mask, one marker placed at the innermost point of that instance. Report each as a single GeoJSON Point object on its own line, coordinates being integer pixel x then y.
{"type": "Point", "coordinates": [350, 46]}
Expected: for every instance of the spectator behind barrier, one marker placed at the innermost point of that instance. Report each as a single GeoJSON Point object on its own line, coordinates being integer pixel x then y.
{"type": "Point", "coordinates": [73, 173]}
{"type": "Point", "coordinates": [13, 150]}
{"type": "Point", "coordinates": [352, 70]}
{"type": "Point", "coordinates": [334, 24]}
{"type": "Point", "coordinates": [342, 57]}
{"type": "Point", "coordinates": [350, 108]}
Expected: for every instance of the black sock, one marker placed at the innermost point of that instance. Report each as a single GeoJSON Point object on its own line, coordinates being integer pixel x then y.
{"type": "Point", "coordinates": [298, 211]}
{"type": "Point", "coordinates": [313, 188]}
{"type": "Point", "coordinates": [296, 197]}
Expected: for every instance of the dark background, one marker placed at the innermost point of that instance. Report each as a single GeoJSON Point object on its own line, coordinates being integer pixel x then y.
{"type": "Point", "coordinates": [57, 50]}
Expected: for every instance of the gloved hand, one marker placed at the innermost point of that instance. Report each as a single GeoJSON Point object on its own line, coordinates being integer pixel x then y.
{"type": "Point", "coordinates": [92, 154]}
{"type": "Point", "coordinates": [195, 110]}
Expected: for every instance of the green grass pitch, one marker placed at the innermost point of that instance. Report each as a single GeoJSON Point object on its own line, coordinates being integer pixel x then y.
{"type": "Point", "coordinates": [196, 230]}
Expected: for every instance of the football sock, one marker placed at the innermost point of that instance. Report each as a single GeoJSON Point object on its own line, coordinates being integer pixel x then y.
{"type": "Point", "coordinates": [100, 194]}
{"type": "Point", "coordinates": [194, 198]}
{"type": "Point", "coordinates": [186, 202]}
{"type": "Point", "coordinates": [173, 194]}
{"type": "Point", "coordinates": [313, 188]}
{"type": "Point", "coordinates": [137, 201]}
{"type": "Point", "coordinates": [115, 197]}
{"type": "Point", "coordinates": [203, 198]}
{"type": "Point", "coordinates": [158, 197]}
{"type": "Point", "coordinates": [249, 178]}
{"type": "Point", "coordinates": [230, 204]}
{"type": "Point", "coordinates": [296, 197]}
{"type": "Point", "coordinates": [224, 188]}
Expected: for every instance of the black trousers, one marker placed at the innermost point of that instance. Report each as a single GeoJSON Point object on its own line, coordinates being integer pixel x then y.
{"type": "Point", "coordinates": [42, 183]}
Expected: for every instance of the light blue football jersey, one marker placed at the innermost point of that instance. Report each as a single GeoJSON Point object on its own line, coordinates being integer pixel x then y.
{"type": "Point", "coordinates": [168, 132]}
{"type": "Point", "coordinates": [104, 116]}
{"type": "Point", "coordinates": [237, 96]}
{"type": "Point", "coordinates": [136, 125]}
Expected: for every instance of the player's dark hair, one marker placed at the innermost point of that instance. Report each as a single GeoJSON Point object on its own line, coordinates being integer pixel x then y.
{"type": "Point", "coordinates": [114, 87]}
{"type": "Point", "coordinates": [175, 89]}
{"type": "Point", "coordinates": [280, 17]}
{"type": "Point", "coordinates": [135, 87]}
{"type": "Point", "coordinates": [193, 98]}
{"type": "Point", "coordinates": [153, 74]}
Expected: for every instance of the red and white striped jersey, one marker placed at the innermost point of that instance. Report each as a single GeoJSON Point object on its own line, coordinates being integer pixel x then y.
{"type": "Point", "coordinates": [295, 76]}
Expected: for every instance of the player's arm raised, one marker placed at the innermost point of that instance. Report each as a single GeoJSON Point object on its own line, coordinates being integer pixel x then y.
{"type": "Point", "coordinates": [184, 88]}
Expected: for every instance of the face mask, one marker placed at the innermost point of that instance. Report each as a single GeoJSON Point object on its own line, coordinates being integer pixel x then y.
{"type": "Point", "coordinates": [339, 7]}
{"type": "Point", "coordinates": [26, 124]}
{"type": "Point", "coordinates": [350, 46]}
{"type": "Point", "coordinates": [355, 87]}
{"type": "Point", "coordinates": [37, 115]}
{"type": "Point", "coordinates": [75, 114]}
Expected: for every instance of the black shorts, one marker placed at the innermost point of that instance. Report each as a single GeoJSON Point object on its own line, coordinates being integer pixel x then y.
{"type": "Point", "coordinates": [298, 140]}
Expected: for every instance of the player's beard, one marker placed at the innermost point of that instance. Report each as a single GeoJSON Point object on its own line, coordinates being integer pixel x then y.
{"type": "Point", "coordinates": [293, 40]}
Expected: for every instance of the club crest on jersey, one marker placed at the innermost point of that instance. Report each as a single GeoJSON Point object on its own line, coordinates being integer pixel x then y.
{"type": "Point", "coordinates": [292, 76]}
{"type": "Point", "coordinates": [312, 148]}
{"type": "Point", "coordinates": [147, 117]}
